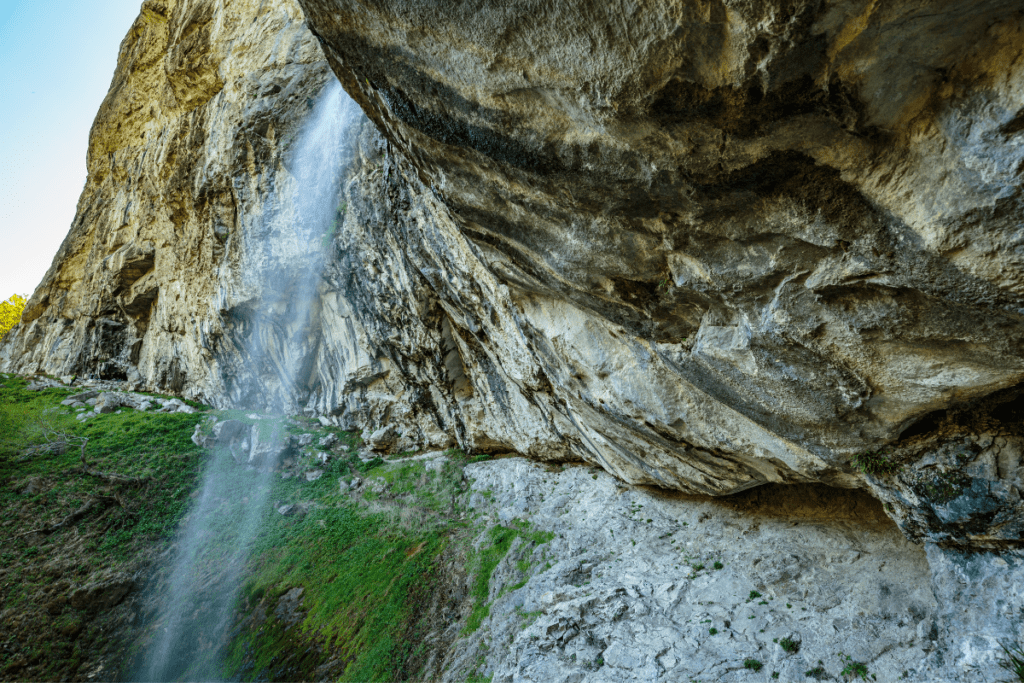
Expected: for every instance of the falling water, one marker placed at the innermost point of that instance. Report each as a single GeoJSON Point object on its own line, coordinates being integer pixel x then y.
{"type": "Point", "coordinates": [192, 626]}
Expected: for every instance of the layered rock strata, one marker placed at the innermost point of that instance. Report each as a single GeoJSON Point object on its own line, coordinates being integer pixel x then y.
{"type": "Point", "coordinates": [705, 246]}
{"type": "Point", "coordinates": [178, 269]}
{"type": "Point", "coordinates": [712, 245]}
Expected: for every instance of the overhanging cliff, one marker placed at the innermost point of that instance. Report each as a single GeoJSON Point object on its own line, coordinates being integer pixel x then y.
{"type": "Point", "coordinates": [705, 245]}
{"type": "Point", "coordinates": [714, 244]}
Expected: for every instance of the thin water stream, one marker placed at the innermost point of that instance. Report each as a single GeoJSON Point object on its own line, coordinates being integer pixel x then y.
{"type": "Point", "coordinates": [213, 548]}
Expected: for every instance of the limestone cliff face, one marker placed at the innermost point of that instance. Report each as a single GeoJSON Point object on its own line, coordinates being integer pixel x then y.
{"type": "Point", "coordinates": [170, 267]}
{"type": "Point", "coordinates": [705, 245]}
{"type": "Point", "coordinates": [712, 244]}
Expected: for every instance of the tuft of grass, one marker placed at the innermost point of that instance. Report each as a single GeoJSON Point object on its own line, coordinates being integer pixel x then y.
{"type": "Point", "coordinates": [789, 646]}
{"type": "Point", "coordinates": [713, 630]}
{"type": "Point", "coordinates": [875, 463]}
{"type": "Point", "coordinates": [817, 672]}
{"type": "Point", "coordinates": [752, 664]}
{"type": "Point", "coordinates": [853, 669]}
{"type": "Point", "coordinates": [1013, 662]}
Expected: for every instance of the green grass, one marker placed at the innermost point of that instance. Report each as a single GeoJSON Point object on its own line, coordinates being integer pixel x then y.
{"type": "Point", "coordinates": [366, 576]}
{"type": "Point", "coordinates": [487, 560]}
{"type": "Point", "coordinates": [1013, 662]}
{"type": "Point", "coordinates": [853, 669]}
{"type": "Point", "coordinates": [363, 588]}
{"type": "Point", "coordinates": [367, 563]}
{"type": "Point", "coordinates": [41, 486]}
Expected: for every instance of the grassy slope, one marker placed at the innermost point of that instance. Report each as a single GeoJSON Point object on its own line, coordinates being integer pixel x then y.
{"type": "Point", "coordinates": [371, 564]}
{"type": "Point", "coordinates": [367, 566]}
{"type": "Point", "coordinates": [45, 636]}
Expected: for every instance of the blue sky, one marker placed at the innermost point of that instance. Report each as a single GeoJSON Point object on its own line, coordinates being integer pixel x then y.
{"type": "Point", "coordinates": [56, 61]}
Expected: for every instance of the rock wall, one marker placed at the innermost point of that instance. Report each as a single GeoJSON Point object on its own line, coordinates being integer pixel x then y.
{"type": "Point", "coordinates": [639, 584]}
{"type": "Point", "coordinates": [704, 245]}
{"type": "Point", "coordinates": [709, 245]}
{"type": "Point", "coordinates": [178, 264]}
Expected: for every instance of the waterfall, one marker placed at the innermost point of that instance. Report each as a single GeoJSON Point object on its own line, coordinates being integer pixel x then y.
{"type": "Point", "coordinates": [213, 548]}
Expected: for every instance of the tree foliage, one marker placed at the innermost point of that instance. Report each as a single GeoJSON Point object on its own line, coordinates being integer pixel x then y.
{"type": "Point", "coordinates": [10, 313]}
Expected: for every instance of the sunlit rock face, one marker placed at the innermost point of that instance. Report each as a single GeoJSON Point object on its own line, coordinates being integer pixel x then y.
{"type": "Point", "coordinates": [707, 244]}
{"type": "Point", "coordinates": [178, 269]}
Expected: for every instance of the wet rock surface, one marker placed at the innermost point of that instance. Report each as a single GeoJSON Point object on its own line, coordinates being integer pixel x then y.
{"type": "Point", "coordinates": [702, 263]}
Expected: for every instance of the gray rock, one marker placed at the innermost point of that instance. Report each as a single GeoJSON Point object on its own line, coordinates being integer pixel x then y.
{"type": "Point", "coordinates": [328, 440]}
{"type": "Point", "coordinates": [230, 430]}
{"type": "Point", "coordinates": [101, 595]}
{"type": "Point", "coordinates": [705, 250]}
{"type": "Point", "coordinates": [266, 450]}
{"type": "Point", "coordinates": [627, 589]}
{"type": "Point", "coordinates": [383, 439]}
{"type": "Point", "coordinates": [304, 439]}
{"type": "Point", "coordinates": [288, 606]}
{"type": "Point", "coordinates": [313, 475]}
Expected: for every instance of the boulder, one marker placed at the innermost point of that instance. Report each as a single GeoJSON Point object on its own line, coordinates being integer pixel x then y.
{"type": "Point", "coordinates": [101, 595]}
{"type": "Point", "coordinates": [383, 438]}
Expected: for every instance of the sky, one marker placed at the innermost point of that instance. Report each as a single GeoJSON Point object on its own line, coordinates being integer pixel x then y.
{"type": "Point", "coordinates": [57, 58]}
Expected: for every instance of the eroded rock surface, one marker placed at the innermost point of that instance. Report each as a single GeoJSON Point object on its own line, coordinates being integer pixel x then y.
{"type": "Point", "coordinates": [180, 265]}
{"type": "Point", "coordinates": [706, 246]}
{"type": "Point", "coordinates": [628, 589]}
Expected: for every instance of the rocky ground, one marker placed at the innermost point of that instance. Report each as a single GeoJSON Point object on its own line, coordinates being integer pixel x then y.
{"type": "Point", "coordinates": [790, 583]}
{"type": "Point", "coordinates": [486, 568]}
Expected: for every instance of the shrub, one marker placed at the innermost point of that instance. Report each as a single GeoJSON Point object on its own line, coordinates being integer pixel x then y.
{"type": "Point", "coordinates": [752, 664]}
{"type": "Point", "coordinates": [10, 313]}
